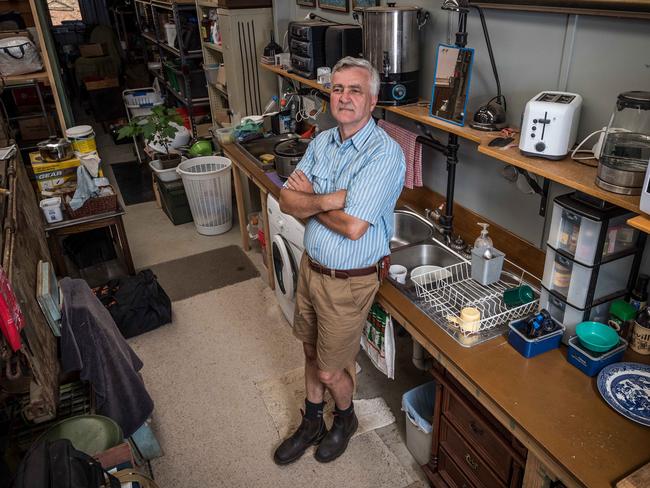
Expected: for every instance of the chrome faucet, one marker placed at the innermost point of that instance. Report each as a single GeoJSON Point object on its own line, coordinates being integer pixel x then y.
{"type": "Point", "coordinates": [434, 216]}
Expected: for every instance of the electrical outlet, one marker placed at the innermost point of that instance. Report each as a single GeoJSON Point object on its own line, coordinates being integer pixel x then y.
{"type": "Point", "coordinates": [309, 105]}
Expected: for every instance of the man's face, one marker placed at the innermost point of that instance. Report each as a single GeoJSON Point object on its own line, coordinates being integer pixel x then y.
{"type": "Point", "coordinates": [351, 101]}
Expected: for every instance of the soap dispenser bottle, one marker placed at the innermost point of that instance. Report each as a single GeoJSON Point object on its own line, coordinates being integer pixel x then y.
{"type": "Point", "coordinates": [483, 241]}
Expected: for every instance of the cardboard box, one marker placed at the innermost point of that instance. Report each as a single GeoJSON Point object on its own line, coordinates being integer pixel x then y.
{"type": "Point", "coordinates": [91, 50]}
{"type": "Point", "coordinates": [35, 129]}
{"type": "Point", "coordinates": [102, 84]}
{"type": "Point", "coordinates": [58, 176]}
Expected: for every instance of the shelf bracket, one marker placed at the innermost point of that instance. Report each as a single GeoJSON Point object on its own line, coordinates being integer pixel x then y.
{"type": "Point", "coordinates": [541, 191]}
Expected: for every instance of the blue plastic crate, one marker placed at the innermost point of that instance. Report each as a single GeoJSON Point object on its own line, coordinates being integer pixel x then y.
{"type": "Point", "coordinates": [528, 347]}
{"type": "Point", "coordinates": [590, 362]}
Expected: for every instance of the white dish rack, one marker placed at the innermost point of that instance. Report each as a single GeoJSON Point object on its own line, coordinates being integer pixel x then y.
{"type": "Point", "coordinates": [447, 291]}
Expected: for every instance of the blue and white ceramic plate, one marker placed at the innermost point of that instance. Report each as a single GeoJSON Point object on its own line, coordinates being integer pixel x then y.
{"type": "Point", "coordinates": [626, 387]}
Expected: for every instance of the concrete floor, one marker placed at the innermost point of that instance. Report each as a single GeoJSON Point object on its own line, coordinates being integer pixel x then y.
{"type": "Point", "coordinates": [202, 368]}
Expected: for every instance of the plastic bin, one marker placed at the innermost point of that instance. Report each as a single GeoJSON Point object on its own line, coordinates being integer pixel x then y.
{"type": "Point", "coordinates": [140, 101]}
{"type": "Point", "coordinates": [582, 285]}
{"type": "Point", "coordinates": [590, 235]}
{"type": "Point", "coordinates": [164, 174]}
{"type": "Point", "coordinates": [528, 347]}
{"type": "Point", "coordinates": [487, 271]}
{"type": "Point", "coordinates": [418, 405]}
{"type": "Point", "coordinates": [590, 362]}
{"type": "Point", "coordinates": [207, 182]}
{"type": "Point", "coordinates": [570, 316]}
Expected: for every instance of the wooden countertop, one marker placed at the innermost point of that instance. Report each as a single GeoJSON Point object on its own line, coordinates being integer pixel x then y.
{"type": "Point", "coordinates": [549, 405]}
{"type": "Point", "coordinates": [545, 399]}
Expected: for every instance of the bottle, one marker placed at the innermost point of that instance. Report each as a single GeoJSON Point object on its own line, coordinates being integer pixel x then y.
{"type": "Point", "coordinates": [640, 335]}
{"type": "Point", "coordinates": [205, 27]}
{"type": "Point", "coordinates": [483, 241]}
{"type": "Point", "coordinates": [639, 296]}
{"type": "Point", "coordinates": [272, 105]}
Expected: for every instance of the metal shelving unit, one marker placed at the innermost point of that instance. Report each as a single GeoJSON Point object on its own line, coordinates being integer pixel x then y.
{"type": "Point", "coordinates": [152, 9]}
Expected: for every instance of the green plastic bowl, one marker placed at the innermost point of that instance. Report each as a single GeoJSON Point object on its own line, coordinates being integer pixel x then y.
{"type": "Point", "coordinates": [597, 337]}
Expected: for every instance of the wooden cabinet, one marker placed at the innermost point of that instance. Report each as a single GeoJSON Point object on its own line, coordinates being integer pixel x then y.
{"type": "Point", "coordinates": [470, 449]}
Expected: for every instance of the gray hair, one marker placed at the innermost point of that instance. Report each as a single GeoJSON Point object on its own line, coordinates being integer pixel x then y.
{"type": "Point", "coordinates": [350, 62]}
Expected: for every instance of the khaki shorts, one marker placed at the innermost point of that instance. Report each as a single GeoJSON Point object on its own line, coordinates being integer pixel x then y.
{"type": "Point", "coordinates": [330, 314]}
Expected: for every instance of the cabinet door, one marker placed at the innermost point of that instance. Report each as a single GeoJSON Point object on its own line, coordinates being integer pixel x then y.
{"type": "Point", "coordinates": [451, 473]}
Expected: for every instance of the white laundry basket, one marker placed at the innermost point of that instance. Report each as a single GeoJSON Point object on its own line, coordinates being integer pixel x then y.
{"type": "Point", "coordinates": [207, 183]}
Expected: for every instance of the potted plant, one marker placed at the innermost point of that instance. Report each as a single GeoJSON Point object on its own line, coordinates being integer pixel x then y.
{"type": "Point", "coordinates": [158, 128]}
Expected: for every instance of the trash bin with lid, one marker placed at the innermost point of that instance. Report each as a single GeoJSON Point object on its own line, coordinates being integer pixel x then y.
{"type": "Point", "coordinates": [418, 405]}
{"type": "Point", "coordinates": [207, 182]}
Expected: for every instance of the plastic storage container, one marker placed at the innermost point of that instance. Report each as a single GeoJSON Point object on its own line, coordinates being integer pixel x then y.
{"type": "Point", "coordinates": [418, 405]}
{"type": "Point", "coordinates": [588, 234]}
{"type": "Point", "coordinates": [207, 182]}
{"type": "Point", "coordinates": [164, 174]}
{"type": "Point", "coordinates": [140, 102]}
{"type": "Point", "coordinates": [570, 316]}
{"type": "Point", "coordinates": [528, 347]}
{"type": "Point", "coordinates": [582, 285]}
{"type": "Point", "coordinates": [82, 138]}
{"type": "Point", "coordinates": [174, 201]}
{"type": "Point", "coordinates": [51, 208]}
{"type": "Point", "coordinates": [487, 271]}
{"type": "Point", "coordinates": [590, 362]}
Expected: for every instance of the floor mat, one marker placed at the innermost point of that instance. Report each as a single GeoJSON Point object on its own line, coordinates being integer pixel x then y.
{"type": "Point", "coordinates": [285, 396]}
{"type": "Point", "coordinates": [134, 180]}
{"type": "Point", "coordinates": [186, 277]}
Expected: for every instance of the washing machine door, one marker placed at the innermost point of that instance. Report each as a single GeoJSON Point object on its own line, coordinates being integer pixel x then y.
{"type": "Point", "coordinates": [286, 271]}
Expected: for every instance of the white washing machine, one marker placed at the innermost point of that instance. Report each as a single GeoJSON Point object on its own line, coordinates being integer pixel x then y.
{"type": "Point", "coordinates": [286, 242]}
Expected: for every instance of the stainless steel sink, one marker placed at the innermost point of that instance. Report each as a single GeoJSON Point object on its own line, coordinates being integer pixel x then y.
{"type": "Point", "coordinates": [423, 254]}
{"type": "Point", "coordinates": [409, 228]}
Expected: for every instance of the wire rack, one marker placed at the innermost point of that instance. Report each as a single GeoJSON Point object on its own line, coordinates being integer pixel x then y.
{"type": "Point", "coordinates": [447, 291]}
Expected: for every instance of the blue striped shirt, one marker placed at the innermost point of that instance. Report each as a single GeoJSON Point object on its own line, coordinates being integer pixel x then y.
{"type": "Point", "coordinates": [370, 166]}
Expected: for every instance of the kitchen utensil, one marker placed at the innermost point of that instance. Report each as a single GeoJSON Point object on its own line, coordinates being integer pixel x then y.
{"type": "Point", "coordinates": [625, 150]}
{"type": "Point", "coordinates": [487, 270]}
{"type": "Point", "coordinates": [596, 337]}
{"type": "Point", "coordinates": [528, 346]}
{"type": "Point", "coordinates": [398, 273]}
{"type": "Point", "coordinates": [391, 44]}
{"type": "Point", "coordinates": [55, 149]}
{"type": "Point", "coordinates": [590, 362]}
{"type": "Point", "coordinates": [539, 324]}
{"type": "Point", "coordinates": [550, 124]}
{"type": "Point", "coordinates": [288, 154]}
{"type": "Point", "coordinates": [520, 295]}
{"type": "Point", "coordinates": [469, 320]}
{"type": "Point", "coordinates": [202, 147]}
{"type": "Point", "coordinates": [626, 388]}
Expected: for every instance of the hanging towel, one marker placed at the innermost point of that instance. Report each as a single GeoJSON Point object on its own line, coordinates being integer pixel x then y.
{"type": "Point", "coordinates": [412, 152]}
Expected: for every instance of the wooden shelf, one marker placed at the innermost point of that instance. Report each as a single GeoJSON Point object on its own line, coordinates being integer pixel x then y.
{"type": "Point", "coordinates": [18, 79]}
{"type": "Point", "coordinates": [641, 222]}
{"type": "Point", "coordinates": [213, 46]}
{"type": "Point", "coordinates": [566, 171]}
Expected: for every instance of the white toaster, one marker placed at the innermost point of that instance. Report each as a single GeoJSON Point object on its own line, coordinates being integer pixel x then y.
{"type": "Point", "coordinates": [550, 124]}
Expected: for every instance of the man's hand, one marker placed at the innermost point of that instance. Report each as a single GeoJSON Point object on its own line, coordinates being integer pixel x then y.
{"type": "Point", "coordinates": [299, 182]}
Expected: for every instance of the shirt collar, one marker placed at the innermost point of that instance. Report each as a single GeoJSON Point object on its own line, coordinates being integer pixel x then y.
{"type": "Point", "coordinates": [357, 139]}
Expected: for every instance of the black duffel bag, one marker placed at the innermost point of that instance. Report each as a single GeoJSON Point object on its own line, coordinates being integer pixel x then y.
{"type": "Point", "coordinates": [57, 464]}
{"type": "Point", "coordinates": [137, 303]}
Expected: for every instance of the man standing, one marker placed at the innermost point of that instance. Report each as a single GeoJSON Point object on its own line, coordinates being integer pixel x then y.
{"type": "Point", "coordinates": [346, 187]}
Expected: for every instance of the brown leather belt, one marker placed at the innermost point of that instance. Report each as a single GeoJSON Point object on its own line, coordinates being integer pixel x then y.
{"type": "Point", "coordinates": [341, 273]}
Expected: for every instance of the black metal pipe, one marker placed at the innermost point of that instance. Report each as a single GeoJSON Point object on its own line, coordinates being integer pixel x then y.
{"type": "Point", "coordinates": [432, 143]}
{"type": "Point", "coordinates": [446, 221]}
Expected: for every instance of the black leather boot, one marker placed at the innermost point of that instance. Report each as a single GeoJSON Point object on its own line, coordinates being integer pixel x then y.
{"type": "Point", "coordinates": [336, 440]}
{"type": "Point", "coordinates": [310, 432]}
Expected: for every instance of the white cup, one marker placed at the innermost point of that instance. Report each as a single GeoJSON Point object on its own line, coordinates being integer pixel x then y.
{"type": "Point", "coordinates": [398, 273]}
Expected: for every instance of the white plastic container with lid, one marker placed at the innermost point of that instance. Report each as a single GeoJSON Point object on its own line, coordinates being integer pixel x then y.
{"type": "Point", "coordinates": [51, 208]}
{"type": "Point", "coordinates": [588, 234]}
{"type": "Point", "coordinates": [582, 285]}
{"type": "Point", "coordinates": [170, 33]}
{"type": "Point", "coordinates": [82, 138]}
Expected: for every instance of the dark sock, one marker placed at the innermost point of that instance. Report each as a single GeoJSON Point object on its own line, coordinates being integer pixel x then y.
{"type": "Point", "coordinates": [314, 410]}
{"type": "Point", "coordinates": [346, 412]}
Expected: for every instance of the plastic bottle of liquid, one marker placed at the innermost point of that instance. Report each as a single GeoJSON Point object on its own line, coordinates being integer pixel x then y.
{"type": "Point", "coordinates": [483, 241]}
{"type": "Point", "coordinates": [271, 106]}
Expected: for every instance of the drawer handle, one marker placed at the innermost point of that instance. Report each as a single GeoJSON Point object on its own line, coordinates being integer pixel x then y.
{"type": "Point", "coordinates": [472, 464]}
{"type": "Point", "coordinates": [475, 428]}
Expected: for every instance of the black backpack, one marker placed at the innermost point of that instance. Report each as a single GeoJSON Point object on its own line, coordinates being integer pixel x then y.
{"type": "Point", "coordinates": [57, 464]}
{"type": "Point", "coordinates": [137, 303]}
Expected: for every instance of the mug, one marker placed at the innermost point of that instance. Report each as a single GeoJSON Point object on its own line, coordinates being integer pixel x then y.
{"type": "Point", "coordinates": [514, 297]}
{"type": "Point", "coordinates": [397, 272]}
{"type": "Point", "coordinates": [469, 321]}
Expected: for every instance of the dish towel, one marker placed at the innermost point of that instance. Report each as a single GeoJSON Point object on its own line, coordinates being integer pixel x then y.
{"type": "Point", "coordinates": [412, 152]}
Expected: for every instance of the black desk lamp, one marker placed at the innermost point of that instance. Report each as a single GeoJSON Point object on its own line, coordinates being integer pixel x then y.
{"type": "Point", "coordinates": [492, 115]}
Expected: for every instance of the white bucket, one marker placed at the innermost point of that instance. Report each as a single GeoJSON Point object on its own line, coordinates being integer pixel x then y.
{"type": "Point", "coordinates": [207, 182]}
{"type": "Point", "coordinates": [51, 208]}
{"type": "Point", "coordinates": [170, 33]}
{"type": "Point", "coordinates": [82, 138]}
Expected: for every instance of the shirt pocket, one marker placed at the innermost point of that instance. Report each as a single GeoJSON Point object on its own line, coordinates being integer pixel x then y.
{"type": "Point", "coordinates": [321, 181]}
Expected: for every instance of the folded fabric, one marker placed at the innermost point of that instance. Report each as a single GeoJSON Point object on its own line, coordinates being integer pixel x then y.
{"type": "Point", "coordinates": [412, 152]}
{"type": "Point", "coordinates": [86, 188]}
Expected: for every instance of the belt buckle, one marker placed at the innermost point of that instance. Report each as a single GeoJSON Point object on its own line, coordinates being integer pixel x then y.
{"type": "Point", "coordinates": [332, 273]}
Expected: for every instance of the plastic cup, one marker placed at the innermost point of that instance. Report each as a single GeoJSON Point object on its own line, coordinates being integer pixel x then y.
{"type": "Point", "coordinates": [397, 272]}
{"type": "Point", "coordinates": [514, 297]}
